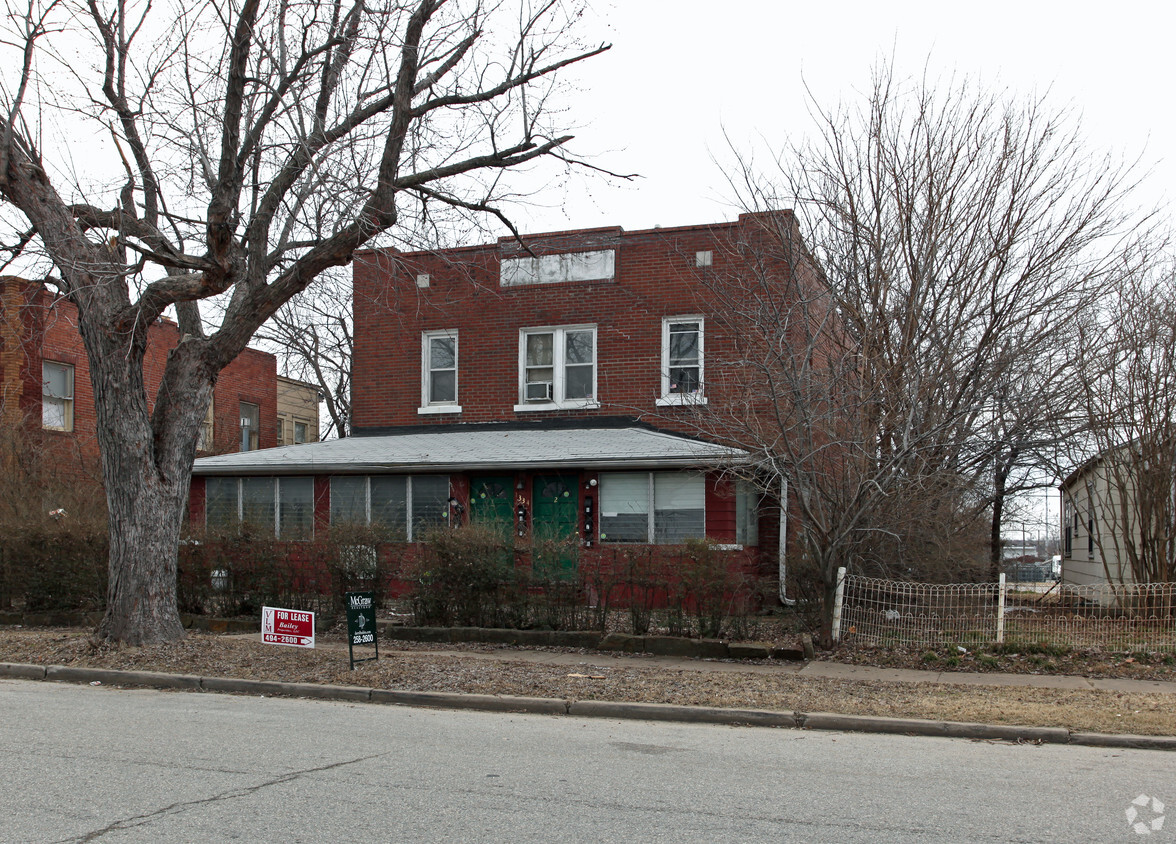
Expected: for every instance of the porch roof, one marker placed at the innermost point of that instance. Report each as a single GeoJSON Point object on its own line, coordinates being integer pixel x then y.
{"type": "Point", "coordinates": [478, 450]}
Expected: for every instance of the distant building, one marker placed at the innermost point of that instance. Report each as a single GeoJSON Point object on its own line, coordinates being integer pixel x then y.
{"type": "Point", "coordinates": [45, 382]}
{"type": "Point", "coordinates": [298, 412]}
{"type": "Point", "coordinates": [1017, 550]}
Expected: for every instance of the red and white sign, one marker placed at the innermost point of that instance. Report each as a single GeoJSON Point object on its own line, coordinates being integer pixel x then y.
{"type": "Point", "coordinates": [287, 627]}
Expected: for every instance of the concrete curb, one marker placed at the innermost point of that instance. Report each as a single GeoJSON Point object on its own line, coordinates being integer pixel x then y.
{"type": "Point", "coordinates": [591, 708]}
{"type": "Point", "coordinates": [482, 703]}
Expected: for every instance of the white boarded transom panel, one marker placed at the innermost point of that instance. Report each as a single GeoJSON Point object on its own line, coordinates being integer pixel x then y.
{"type": "Point", "coordinates": [553, 269]}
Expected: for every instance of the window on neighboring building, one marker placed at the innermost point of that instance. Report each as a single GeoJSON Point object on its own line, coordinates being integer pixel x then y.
{"type": "Point", "coordinates": [281, 431]}
{"type": "Point", "coordinates": [300, 429]}
{"type": "Point", "coordinates": [204, 436]}
{"type": "Point", "coordinates": [1090, 537]}
{"type": "Point", "coordinates": [439, 371]}
{"type": "Point", "coordinates": [678, 512]}
{"type": "Point", "coordinates": [406, 506]}
{"type": "Point", "coordinates": [682, 359]}
{"type": "Point", "coordinates": [57, 396]}
{"type": "Point", "coordinates": [283, 507]}
{"type": "Point", "coordinates": [558, 366]}
{"type": "Point", "coordinates": [250, 426]}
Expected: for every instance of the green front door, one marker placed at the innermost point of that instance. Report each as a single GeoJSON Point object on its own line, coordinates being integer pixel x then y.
{"type": "Point", "coordinates": [555, 505]}
{"type": "Point", "coordinates": [492, 501]}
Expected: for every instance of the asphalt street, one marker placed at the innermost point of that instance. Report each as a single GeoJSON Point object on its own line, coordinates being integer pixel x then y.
{"type": "Point", "coordinates": [82, 763]}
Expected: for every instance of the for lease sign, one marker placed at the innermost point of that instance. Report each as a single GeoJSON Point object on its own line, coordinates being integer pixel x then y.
{"type": "Point", "coordinates": [287, 627]}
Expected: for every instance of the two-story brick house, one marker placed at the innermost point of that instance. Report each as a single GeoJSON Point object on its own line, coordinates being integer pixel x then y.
{"type": "Point", "coordinates": [551, 383]}
{"type": "Point", "coordinates": [45, 385]}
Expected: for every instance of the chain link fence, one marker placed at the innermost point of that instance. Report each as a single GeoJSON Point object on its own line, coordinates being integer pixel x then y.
{"type": "Point", "coordinates": [1103, 617]}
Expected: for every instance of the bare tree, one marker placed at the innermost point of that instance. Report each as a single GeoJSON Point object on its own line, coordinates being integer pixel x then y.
{"type": "Point", "coordinates": [1128, 359]}
{"type": "Point", "coordinates": [950, 230]}
{"type": "Point", "coordinates": [313, 338]}
{"type": "Point", "coordinates": [261, 143]}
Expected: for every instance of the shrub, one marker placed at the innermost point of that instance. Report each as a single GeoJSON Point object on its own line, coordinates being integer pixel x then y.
{"type": "Point", "coordinates": [710, 587]}
{"type": "Point", "coordinates": [237, 572]}
{"type": "Point", "coordinates": [54, 566]}
{"type": "Point", "coordinates": [351, 556]}
{"type": "Point", "coordinates": [463, 576]}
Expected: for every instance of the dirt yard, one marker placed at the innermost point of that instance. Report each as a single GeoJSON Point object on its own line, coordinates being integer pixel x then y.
{"type": "Point", "coordinates": [634, 678]}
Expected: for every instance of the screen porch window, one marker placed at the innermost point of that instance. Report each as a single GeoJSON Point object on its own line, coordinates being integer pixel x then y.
{"type": "Point", "coordinates": [747, 500]}
{"type": "Point", "coordinates": [57, 396]}
{"type": "Point", "coordinates": [404, 506]}
{"type": "Point", "coordinates": [439, 367]}
{"type": "Point", "coordinates": [678, 512]}
{"type": "Point", "coordinates": [559, 365]}
{"type": "Point", "coordinates": [279, 507]}
{"type": "Point", "coordinates": [250, 426]}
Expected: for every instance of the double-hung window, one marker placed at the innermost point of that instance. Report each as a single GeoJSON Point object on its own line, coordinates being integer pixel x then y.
{"type": "Point", "coordinates": [678, 510]}
{"type": "Point", "coordinates": [682, 361]}
{"type": "Point", "coordinates": [557, 367]}
{"type": "Point", "coordinates": [250, 426]}
{"type": "Point", "coordinates": [57, 396]}
{"type": "Point", "coordinates": [439, 372]}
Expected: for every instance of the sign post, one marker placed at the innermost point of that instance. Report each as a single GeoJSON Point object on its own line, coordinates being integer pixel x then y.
{"type": "Point", "coordinates": [287, 627]}
{"type": "Point", "coordinates": [361, 624]}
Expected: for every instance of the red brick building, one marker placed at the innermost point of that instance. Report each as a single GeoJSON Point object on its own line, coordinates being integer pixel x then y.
{"type": "Point", "coordinates": [45, 383]}
{"type": "Point", "coordinates": [550, 383]}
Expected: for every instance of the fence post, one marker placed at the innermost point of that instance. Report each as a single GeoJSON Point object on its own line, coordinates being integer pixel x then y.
{"type": "Point", "coordinates": [1000, 609]}
{"type": "Point", "coordinates": [838, 600]}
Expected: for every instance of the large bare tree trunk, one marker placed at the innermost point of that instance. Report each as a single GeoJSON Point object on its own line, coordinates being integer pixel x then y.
{"type": "Point", "coordinates": [305, 136]}
{"type": "Point", "coordinates": [141, 603]}
{"type": "Point", "coordinates": [147, 469]}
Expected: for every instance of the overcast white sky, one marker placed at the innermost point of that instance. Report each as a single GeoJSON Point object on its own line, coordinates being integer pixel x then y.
{"type": "Point", "coordinates": [681, 71]}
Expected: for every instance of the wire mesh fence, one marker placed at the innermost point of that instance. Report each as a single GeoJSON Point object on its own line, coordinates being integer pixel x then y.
{"type": "Point", "coordinates": [1103, 617]}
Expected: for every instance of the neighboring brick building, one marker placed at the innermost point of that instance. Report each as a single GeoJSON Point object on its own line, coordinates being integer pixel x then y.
{"type": "Point", "coordinates": [553, 388]}
{"type": "Point", "coordinates": [45, 384]}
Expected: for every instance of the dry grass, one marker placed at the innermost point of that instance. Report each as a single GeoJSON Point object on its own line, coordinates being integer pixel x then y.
{"type": "Point", "coordinates": [623, 680]}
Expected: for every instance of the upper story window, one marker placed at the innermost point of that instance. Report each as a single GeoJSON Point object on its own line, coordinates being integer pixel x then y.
{"type": "Point", "coordinates": [250, 426]}
{"type": "Point", "coordinates": [439, 372]}
{"type": "Point", "coordinates": [682, 361]}
{"type": "Point", "coordinates": [553, 269]}
{"type": "Point", "coordinates": [557, 368]}
{"type": "Point", "coordinates": [57, 396]}
{"type": "Point", "coordinates": [300, 431]}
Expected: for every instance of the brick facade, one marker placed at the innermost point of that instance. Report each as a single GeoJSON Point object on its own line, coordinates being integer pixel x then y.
{"type": "Point", "coordinates": [656, 275]}
{"type": "Point", "coordinates": [624, 288]}
{"type": "Point", "coordinates": [36, 327]}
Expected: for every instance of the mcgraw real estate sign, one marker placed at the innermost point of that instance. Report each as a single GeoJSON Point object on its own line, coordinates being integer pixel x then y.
{"type": "Point", "coordinates": [287, 627]}
{"type": "Point", "coordinates": [361, 623]}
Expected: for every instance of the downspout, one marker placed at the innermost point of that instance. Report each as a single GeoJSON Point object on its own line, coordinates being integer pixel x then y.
{"type": "Point", "coordinates": [782, 553]}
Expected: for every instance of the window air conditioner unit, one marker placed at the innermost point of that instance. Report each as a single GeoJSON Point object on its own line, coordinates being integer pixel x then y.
{"type": "Point", "coordinates": [538, 391]}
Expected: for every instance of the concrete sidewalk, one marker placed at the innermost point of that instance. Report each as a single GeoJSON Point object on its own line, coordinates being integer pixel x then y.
{"type": "Point", "coordinates": [815, 668]}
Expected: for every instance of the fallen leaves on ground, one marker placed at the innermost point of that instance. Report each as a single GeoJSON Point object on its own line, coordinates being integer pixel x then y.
{"type": "Point", "coordinates": [620, 679]}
